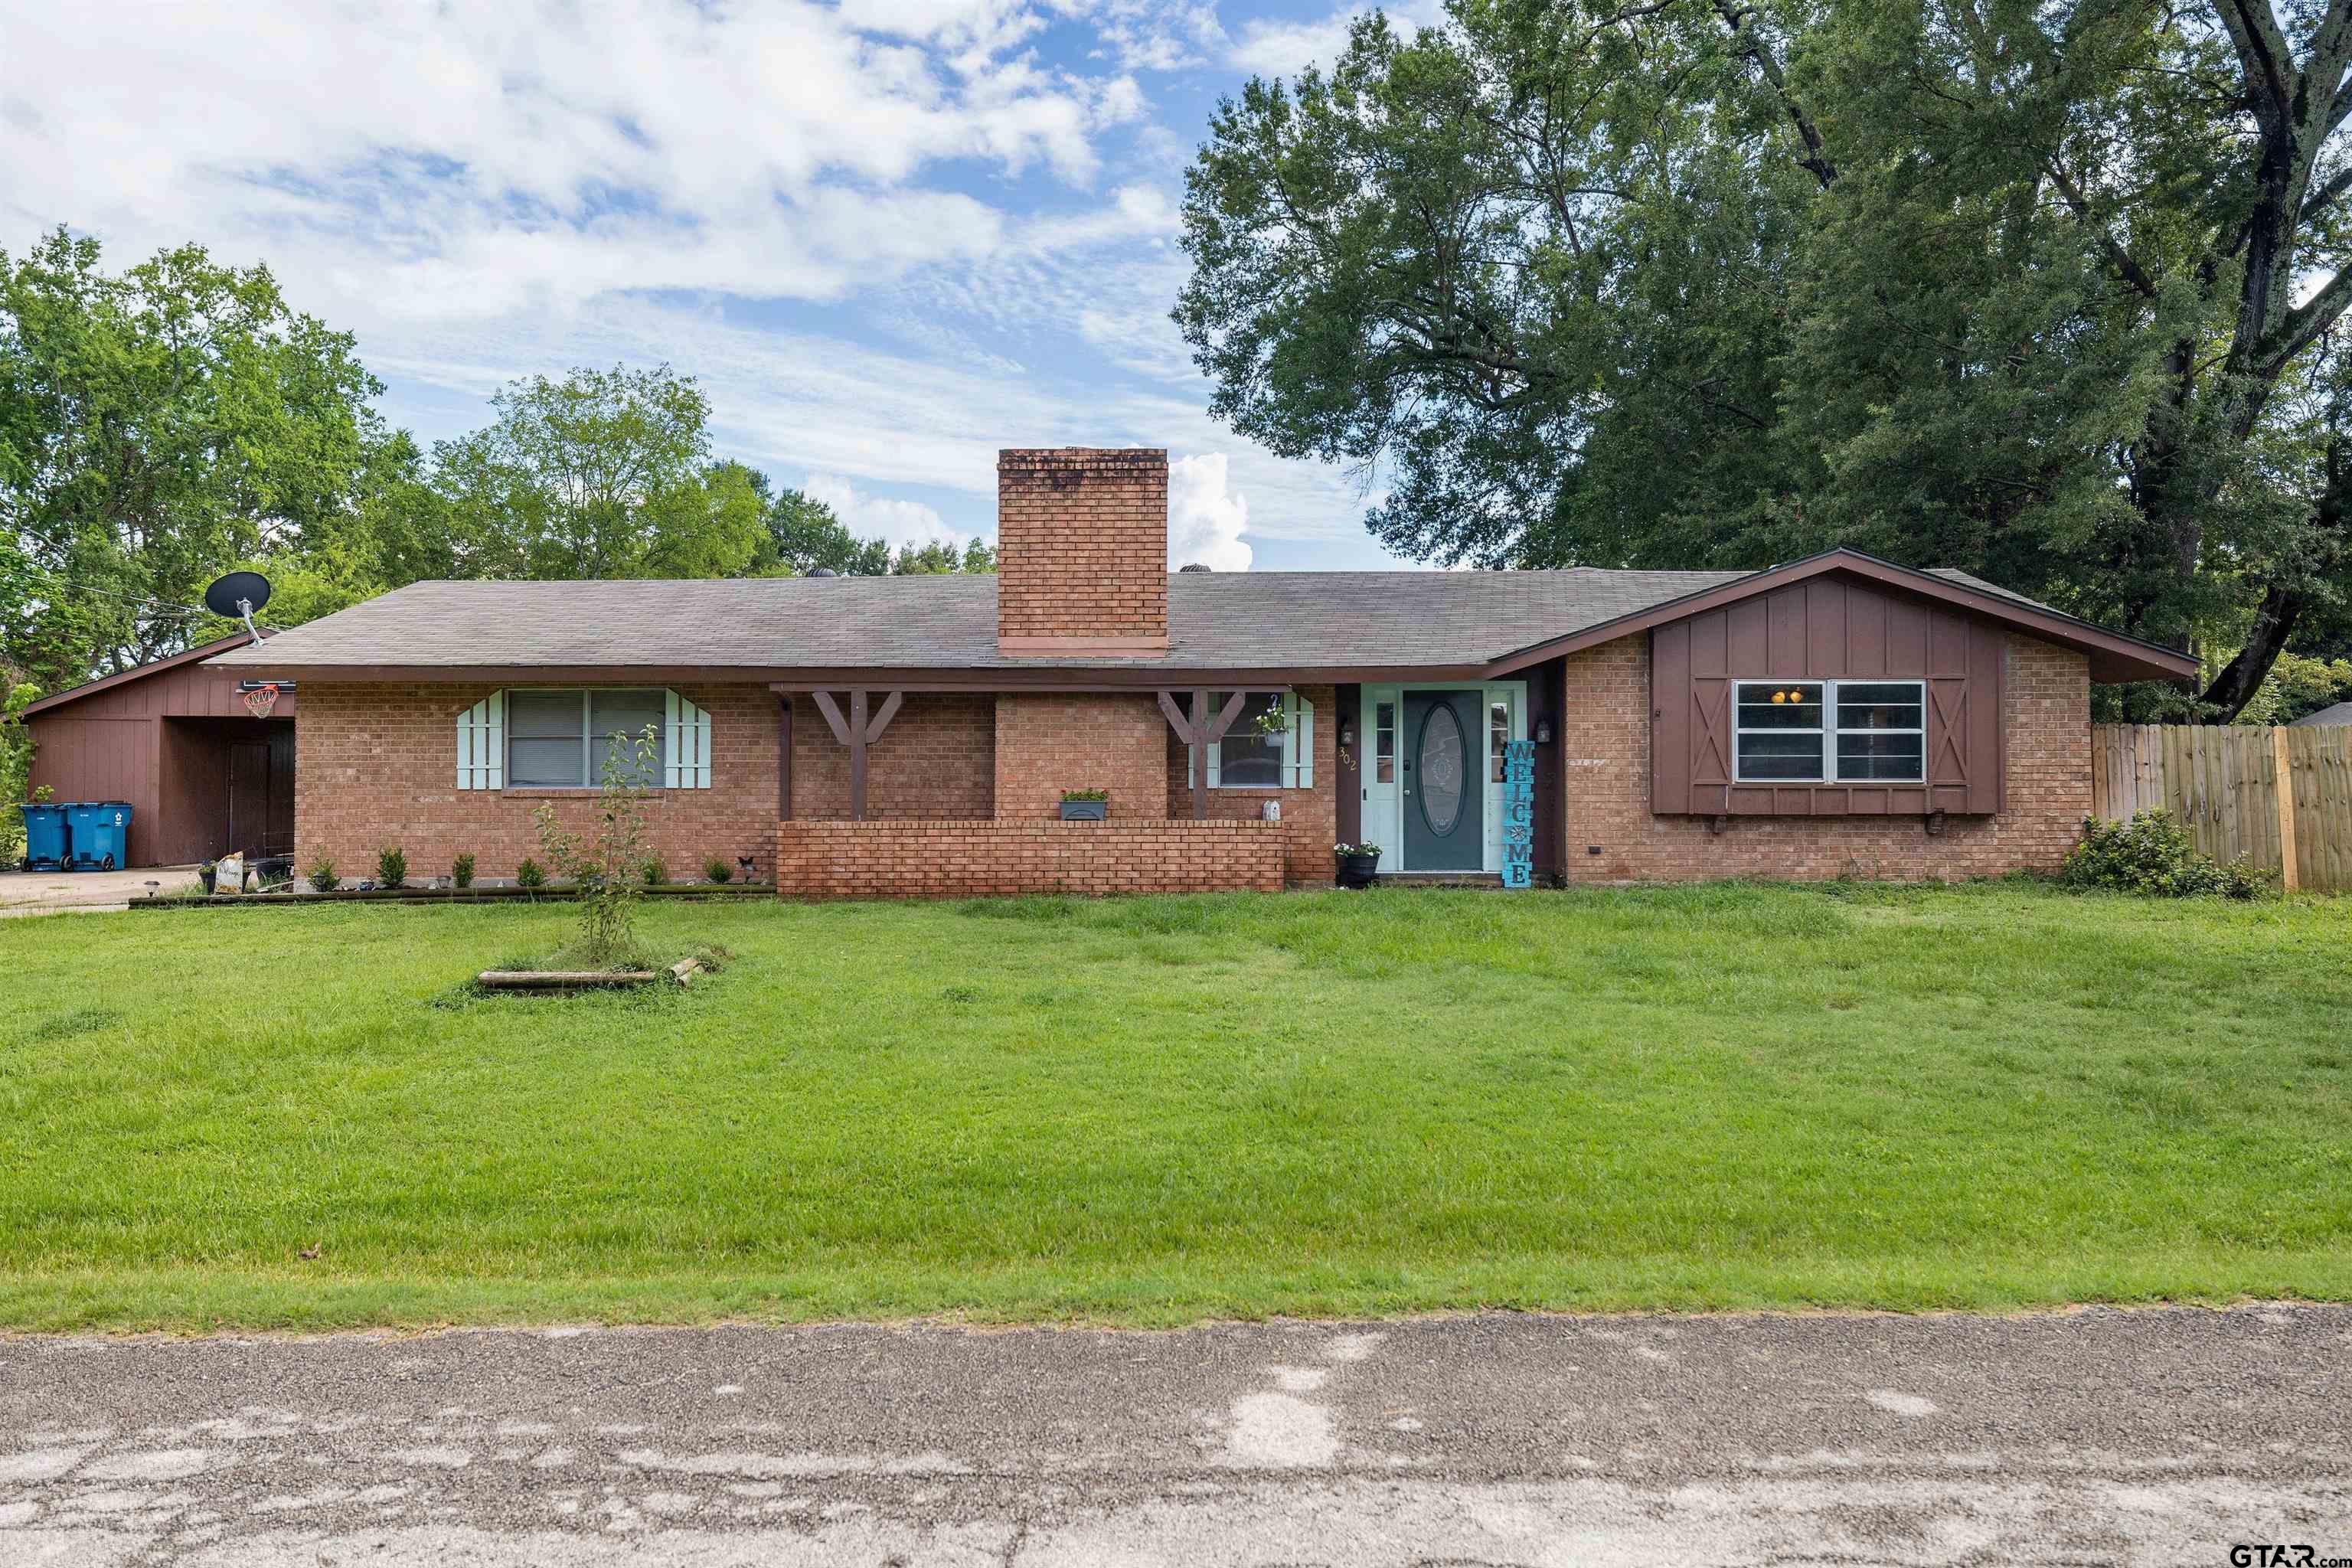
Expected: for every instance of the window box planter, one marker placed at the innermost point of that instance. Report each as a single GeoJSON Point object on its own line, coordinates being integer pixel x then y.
{"type": "Point", "coordinates": [1085, 810]}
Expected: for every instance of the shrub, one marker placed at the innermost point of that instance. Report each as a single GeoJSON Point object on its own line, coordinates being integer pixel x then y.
{"type": "Point", "coordinates": [1077, 795]}
{"type": "Point", "coordinates": [717, 870]}
{"type": "Point", "coordinates": [608, 867]}
{"type": "Point", "coordinates": [656, 872]}
{"type": "Point", "coordinates": [2153, 856]}
{"type": "Point", "coordinates": [528, 875]}
{"type": "Point", "coordinates": [461, 871]}
{"type": "Point", "coordinates": [321, 876]}
{"type": "Point", "coordinates": [392, 867]}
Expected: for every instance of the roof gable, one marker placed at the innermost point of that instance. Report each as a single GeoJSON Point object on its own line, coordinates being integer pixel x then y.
{"type": "Point", "coordinates": [139, 672]}
{"type": "Point", "coordinates": [2114, 656]}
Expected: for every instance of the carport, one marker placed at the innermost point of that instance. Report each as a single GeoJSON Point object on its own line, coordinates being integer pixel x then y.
{"type": "Point", "coordinates": [203, 776]}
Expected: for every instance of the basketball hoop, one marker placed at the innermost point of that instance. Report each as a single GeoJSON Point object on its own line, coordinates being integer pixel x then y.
{"type": "Point", "coordinates": [261, 699]}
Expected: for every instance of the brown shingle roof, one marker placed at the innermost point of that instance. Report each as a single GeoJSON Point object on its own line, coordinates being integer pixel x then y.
{"type": "Point", "coordinates": [1234, 621]}
{"type": "Point", "coordinates": [1215, 620]}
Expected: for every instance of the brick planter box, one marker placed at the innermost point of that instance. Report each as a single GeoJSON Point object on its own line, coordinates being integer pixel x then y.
{"type": "Point", "coordinates": [968, 859]}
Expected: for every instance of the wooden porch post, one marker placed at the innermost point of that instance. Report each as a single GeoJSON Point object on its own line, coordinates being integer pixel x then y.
{"type": "Point", "coordinates": [1200, 753]}
{"type": "Point", "coordinates": [857, 755]}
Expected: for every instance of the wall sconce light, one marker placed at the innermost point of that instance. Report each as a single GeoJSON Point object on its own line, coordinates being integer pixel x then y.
{"type": "Point", "coordinates": [1347, 732]}
{"type": "Point", "coordinates": [1543, 731]}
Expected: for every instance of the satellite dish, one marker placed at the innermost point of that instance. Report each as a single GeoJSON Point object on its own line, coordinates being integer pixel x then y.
{"type": "Point", "coordinates": [237, 596]}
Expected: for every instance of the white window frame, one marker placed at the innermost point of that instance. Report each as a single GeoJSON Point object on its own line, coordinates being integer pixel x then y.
{"type": "Point", "coordinates": [1830, 729]}
{"type": "Point", "coordinates": [1296, 769]}
{"type": "Point", "coordinates": [588, 758]}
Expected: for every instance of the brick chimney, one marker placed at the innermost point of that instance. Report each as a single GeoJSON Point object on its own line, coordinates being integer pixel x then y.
{"type": "Point", "coordinates": [1082, 553]}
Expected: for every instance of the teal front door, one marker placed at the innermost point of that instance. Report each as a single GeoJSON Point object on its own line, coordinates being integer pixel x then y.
{"type": "Point", "coordinates": [1445, 781]}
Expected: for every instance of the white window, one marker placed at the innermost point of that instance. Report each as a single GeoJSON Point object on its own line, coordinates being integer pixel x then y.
{"type": "Point", "coordinates": [1271, 744]}
{"type": "Point", "coordinates": [1821, 731]}
{"type": "Point", "coordinates": [1384, 742]}
{"type": "Point", "coordinates": [566, 740]}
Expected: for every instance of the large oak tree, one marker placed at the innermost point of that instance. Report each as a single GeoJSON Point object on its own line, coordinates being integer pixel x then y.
{"type": "Point", "coordinates": [2043, 290]}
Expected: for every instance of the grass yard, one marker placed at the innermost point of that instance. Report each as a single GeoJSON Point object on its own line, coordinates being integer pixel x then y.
{"type": "Point", "coordinates": [1164, 1110]}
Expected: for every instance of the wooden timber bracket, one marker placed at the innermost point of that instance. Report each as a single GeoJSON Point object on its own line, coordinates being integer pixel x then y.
{"type": "Point", "coordinates": [1201, 731]}
{"type": "Point", "coordinates": [857, 731]}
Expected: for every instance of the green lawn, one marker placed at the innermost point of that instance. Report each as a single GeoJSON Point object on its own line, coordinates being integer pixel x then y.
{"type": "Point", "coordinates": [1170, 1109]}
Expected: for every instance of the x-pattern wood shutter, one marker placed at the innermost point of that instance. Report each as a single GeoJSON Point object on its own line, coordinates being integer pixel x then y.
{"type": "Point", "coordinates": [1710, 762]}
{"type": "Point", "coordinates": [688, 744]}
{"type": "Point", "coordinates": [482, 744]}
{"type": "Point", "coordinates": [1948, 730]}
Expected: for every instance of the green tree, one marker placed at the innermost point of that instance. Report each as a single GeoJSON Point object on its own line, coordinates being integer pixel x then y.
{"type": "Point", "coordinates": [807, 535]}
{"type": "Point", "coordinates": [15, 766]}
{"type": "Point", "coordinates": [2046, 292]}
{"type": "Point", "coordinates": [602, 474]}
{"type": "Point", "coordinates": [156, 427]}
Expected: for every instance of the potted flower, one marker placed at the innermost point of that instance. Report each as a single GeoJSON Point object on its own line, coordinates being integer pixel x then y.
{"type": "Point", "coordinates": [1086, 805]}
{"type": "Point", "coordinates": [1358, 864]}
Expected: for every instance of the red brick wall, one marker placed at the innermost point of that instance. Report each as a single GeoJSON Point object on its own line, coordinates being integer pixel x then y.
{"type": "Point", "coordinates": [1309, 816]}
{"type": "Point", "coordinates": [1047, 742]}
{"type": "Point", "coordinates": [938, 759]}
{"type": "Point", "coordinates": [2046, 794]}
{"type": "Point", "coordinates": [1082, 545]}
{"type": "Point", "coordinates": [377, 765]}
{"type": "Point", "coordinates": [967, 859]}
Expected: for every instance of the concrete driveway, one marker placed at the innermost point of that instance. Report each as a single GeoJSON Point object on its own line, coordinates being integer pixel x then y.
{"type": "Point", "coordinates": [2093, 1437]}
{"type": "Point", "coordinates": [51, 892]}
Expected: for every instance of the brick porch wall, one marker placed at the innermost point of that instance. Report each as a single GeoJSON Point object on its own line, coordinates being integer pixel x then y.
{"type": "Point", "coordinates": [1047, 742]}
{"type": "Point", "coordinates": [972, 859]}
{"type": "Point", "coordinates": [376, 765]}
{"type": "Point", "coordinates": [938, 759]}
{"type": "Point", "coordinates": [1310, 822]}
{"type": "Point", "coordinates": [2046, 792]}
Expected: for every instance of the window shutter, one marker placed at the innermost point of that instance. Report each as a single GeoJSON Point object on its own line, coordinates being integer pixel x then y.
{"type": "Point", "coordinates": [1298, 772]}
{"type": "Point", "coordinates": [685, 744]}
{"type": "Point", "coordinates": [482, 744]}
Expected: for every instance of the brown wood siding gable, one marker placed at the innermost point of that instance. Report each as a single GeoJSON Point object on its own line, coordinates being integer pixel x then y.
{"type": "Point", "coordinates": [1825, 629]}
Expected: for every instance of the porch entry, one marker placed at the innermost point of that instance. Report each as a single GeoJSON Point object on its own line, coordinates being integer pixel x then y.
{"type": "Point", "coordinates": [1432, 774]}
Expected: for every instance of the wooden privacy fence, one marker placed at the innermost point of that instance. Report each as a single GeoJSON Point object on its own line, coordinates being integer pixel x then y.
{"type": "Point", "coordinates": [2280, 798]}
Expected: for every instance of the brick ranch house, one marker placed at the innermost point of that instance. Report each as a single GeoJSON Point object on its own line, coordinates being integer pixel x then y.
{"type": "Point", "coordinates": [892, 736]}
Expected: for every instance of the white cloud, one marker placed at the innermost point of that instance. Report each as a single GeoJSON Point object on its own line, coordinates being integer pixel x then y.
{"type": "Point", "coordinates": [866, 516]}
{"type": "Point", "coordinates": [463, 159]}
{"type": "Point", "coordinates": [887, 236]}
{"type": "Point", "coordinates": [802, 403]}
{"type": "Point", "coordinates": [1205, 517]}
{"type": "Point", "coordinates": [1285, 49]}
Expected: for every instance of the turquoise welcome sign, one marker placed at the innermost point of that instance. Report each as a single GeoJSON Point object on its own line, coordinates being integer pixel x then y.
{"type": "Point", "coordinates": [1519, 814]}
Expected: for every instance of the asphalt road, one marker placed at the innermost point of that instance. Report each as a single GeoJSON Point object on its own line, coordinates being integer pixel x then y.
{"type": "Point", "coordinates": [2092, 1437]}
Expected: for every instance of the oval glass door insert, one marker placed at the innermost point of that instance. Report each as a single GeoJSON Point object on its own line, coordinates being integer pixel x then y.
{"type": "Point", "coordinates": [1442, 772]}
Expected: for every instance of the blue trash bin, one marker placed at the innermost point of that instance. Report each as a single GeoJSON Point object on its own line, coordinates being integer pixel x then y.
{"type": "Point", "coordinates": [45, 837]}
{"type": "Point", "coordinates": [101, 831]}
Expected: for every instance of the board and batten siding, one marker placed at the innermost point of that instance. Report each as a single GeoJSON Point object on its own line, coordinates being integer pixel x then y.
{"type": "Point", "coordinates": [1826, 628]}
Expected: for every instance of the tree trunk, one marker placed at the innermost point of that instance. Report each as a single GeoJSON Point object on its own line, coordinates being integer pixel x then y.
{"type": "Point", "coordinates": [2265, 640]}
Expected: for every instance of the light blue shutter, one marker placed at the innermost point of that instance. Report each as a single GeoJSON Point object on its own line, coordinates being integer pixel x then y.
{"type": "Point", "coordinates": [1299, 768]}
{"type": "Point", "coordinates": [482, 744]}
{"type": "Point", "coordinates": [686, 744]}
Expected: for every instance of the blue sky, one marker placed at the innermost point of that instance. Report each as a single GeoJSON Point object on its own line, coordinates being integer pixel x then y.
{"type": "Point", "coordinates": [887, 236]}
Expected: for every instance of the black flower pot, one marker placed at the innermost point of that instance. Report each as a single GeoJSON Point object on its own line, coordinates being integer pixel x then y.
{"type": "Point", "coordinates": [1359, 870]}
{"type": "Point", "coordinates": [1085, 810]}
